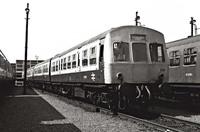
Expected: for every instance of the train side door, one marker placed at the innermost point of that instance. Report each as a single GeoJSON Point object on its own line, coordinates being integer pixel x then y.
{"type": "Point", "coordinates": [101, 58]}
{"type": "Point", "coordinates": [101, 61]}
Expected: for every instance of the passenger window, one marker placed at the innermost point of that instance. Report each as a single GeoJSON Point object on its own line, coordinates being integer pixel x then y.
{"type": "Point", "coordinates": [43, 68]}
{"type": "Point", "coordinates": [53, 67]}
{"type": "Point", "coordinates": [69, 62]}
{"type": "Point", "coordinates": [74, 61]}
{"type": "Point", "coordinates": [64, 64]}
{"type": "Point", "coordinates": [157, 52]}
{"type": "Point", "coordinates": [47, 69]}
{"type": "Point", "coordinates": [56, 65]}
{"type": "Point", "coordinates": [93, 56]}
{"type": "Point", "coordinates": [139, 52]}
{"type": "Point", "coordinates": [190, 56]}
{"type": "Point", "coordinates": [39, 70]}
{"type": "Point", "coordinates": [61, 66]}
{"type": "Point", "coordinates": [85, 58]}
{"type": "Point", "coordinates": [121, 51]}
{"type": "Point", "coordinates": [174, 57]}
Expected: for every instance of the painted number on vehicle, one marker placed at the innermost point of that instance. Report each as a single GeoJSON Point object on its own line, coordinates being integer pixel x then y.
{"type": "Point", "coordinates": [188, 74]}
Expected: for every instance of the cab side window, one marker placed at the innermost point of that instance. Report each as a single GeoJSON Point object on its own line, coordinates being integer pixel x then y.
{"type": "Point", "coordinates": [121, 51]}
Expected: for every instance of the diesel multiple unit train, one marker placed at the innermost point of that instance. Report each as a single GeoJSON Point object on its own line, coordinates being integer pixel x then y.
{"type": "Point", "coordinates": [129, 59]}
{"type": "Point", "coordinates": [184, 73]}
{"type": "Point", "coordinates": [6, 70]}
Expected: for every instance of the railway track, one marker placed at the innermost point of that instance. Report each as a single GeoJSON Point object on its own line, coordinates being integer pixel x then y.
{"type": "Point", "coordinates": [163, 123]}
{"type": "Point", "coordinates": [178, 124]}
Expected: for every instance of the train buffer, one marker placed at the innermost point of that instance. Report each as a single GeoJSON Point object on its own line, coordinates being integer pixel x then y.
{"type": "Point", "coordinates": [25, 113]}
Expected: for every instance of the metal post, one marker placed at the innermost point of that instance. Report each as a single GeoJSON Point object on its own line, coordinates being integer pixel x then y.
{"type": "Point", "coordinates": [136, 19]}
{"type": "Point", "coordinates": [192, 23]}
{"type": "Point", "coordinates": [26, 46]}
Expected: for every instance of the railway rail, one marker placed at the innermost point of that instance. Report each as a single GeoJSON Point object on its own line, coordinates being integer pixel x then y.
{"type": "Point", "coordinates": [162, 123]}
{"type": "Point", "coordinates": [178, 124]}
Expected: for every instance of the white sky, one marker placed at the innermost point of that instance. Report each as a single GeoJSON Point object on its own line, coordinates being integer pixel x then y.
{"type": "Point", "coordinates": [56, 25]}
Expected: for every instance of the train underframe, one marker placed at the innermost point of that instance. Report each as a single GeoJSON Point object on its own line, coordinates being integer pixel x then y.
{"type": "Point", "coordinates": [184, 92]}
{"type": "Point", "coordinates": [114, 96]}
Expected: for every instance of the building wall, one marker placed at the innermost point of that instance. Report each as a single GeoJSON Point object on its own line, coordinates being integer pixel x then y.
{"type": "Point", "coordinates": [20, 70]}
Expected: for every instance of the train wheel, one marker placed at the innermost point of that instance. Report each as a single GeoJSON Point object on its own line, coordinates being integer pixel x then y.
{"type": "Point", "coordinates": [123, 102]}
{"type": "Point", "coordinates": [110, 104]}
{"type": "Point", "coordinates": [95, 99]}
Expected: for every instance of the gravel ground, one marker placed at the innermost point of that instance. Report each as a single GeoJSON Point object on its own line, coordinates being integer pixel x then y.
{"type": "Point", "coordinates": [88, 121]}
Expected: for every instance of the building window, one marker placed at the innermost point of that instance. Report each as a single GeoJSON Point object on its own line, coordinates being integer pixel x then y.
{"type": "Point", "coordinates": [19, 74]}
{"type": "Point", "coordinates": [190, 56]}
{"type": "Point", "coordinates": [174, 57]}
{"type": "Point", "coordinates": [93, 56]}
{"type": "Point", "coordinates": [85, 58]}
{"type": "Point", "coordinates": [19, 66]}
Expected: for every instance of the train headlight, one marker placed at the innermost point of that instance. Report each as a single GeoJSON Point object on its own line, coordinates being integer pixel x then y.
{"type": "Point", "coordinates": [119, 76]}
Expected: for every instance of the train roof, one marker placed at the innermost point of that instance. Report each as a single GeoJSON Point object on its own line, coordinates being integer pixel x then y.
{"type": "Point", "coordinates": [183, 41]}
{"type": "Point", "coordinates": [99, 37]}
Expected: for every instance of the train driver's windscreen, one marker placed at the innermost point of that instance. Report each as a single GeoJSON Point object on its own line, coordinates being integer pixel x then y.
{"type": "Point", "coordinates": [121, 51]}
{"type": "Point", "coordinates": [157, 53]}
{"type": "Point", "coordinates": [139, 52]}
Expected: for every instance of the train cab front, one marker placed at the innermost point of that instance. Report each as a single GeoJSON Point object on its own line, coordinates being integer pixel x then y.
{"type": "Point", "coordinates": [139, 66]}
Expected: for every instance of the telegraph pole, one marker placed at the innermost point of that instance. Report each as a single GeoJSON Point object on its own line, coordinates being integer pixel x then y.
{"type": "Point", "coordinates": [26, 46]}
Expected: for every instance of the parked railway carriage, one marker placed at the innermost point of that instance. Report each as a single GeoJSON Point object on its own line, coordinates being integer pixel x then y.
{"type": "Point", "coordinates": [184, 73]}
{"type": "Point", "coordinates": [128, 59]}
{"type": "Point", "coordinates": [6, 71]}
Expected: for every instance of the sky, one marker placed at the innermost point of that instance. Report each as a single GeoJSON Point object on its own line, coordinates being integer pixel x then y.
{"type": "Point", "coordinates": [57, 25]}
